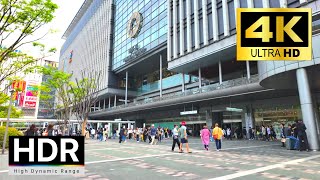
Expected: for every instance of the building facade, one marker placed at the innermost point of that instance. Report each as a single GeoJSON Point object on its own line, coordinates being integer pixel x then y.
{"type": "Point", "coordinates": [174, 60]}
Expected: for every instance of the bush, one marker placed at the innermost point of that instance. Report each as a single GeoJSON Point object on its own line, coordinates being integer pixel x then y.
{"type": "Point", "coordinates": [11, 132]}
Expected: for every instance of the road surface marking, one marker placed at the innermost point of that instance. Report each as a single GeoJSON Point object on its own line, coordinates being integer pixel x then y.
{"type": "Point", "coordinates": [262, 169]}
{"type": "Point", "coordinates": [130, 158]}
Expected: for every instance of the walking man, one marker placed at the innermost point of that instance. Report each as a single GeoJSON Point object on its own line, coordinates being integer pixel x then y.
{"type": "Point", "coordinates": [184, 137]}
{"type": "Point", "coordinates": [153, 133]}
{"type": "Point", "coordinates": [302, 135]}
{"type": "Point", "coordinates": [175, 138]}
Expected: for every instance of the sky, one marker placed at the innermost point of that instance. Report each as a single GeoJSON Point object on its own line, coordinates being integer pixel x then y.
{"type": "Point", "coordinates": [63, 17]}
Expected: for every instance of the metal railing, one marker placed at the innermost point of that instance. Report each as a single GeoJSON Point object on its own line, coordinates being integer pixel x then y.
{"type": "Point", "coordinates": [193, 91]}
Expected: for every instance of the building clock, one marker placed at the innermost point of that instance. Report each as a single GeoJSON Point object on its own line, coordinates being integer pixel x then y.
{"type": "Point", "coordinates": [135, 24]}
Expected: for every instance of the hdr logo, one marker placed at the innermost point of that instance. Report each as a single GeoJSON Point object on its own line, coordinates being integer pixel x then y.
{"type": "Point", "coordinates": [46, 155]}
{"type": "Point", "coordinates": [274, 34]}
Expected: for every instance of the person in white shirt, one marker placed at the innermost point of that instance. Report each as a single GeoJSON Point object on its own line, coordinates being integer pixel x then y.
{"type": "Point", "coordinates": [229, 134]}
{"type": "Point", "coordinates": [130, 133]}
{"type": "Point", "coordinates": [93, 133]}
{"type": "Point", "coordinates": [175, 137]}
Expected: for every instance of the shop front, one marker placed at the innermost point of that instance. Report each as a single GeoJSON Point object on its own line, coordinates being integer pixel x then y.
{"type": "Point", "coordinates": [275, 116]}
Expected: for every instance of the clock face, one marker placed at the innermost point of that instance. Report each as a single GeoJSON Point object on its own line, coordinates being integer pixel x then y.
{"type": "Point", "coordinates": [134, 24]}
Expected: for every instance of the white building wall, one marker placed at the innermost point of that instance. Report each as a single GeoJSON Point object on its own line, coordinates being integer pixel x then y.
{"type": "Point", "coordinates": [91, 46]}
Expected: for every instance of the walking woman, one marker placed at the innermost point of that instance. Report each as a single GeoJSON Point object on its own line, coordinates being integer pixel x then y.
{"type": "Point", "coordinates": [205, 137]}
{"type": "Point", "coordinates": [217, 135]}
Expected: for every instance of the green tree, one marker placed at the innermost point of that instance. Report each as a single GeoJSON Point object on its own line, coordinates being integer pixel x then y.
{"type": "Point", "coordinates": [84, 95]}
{"type": "Point", "coordinates": [15, 113]}
{"type": "Point", "coordinates": [60, 82]}
{"type": "Point", "coordinates": [19, 21]}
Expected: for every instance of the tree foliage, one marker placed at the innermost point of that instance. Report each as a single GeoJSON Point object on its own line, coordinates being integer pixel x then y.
{"type": "Point", "coordinates": [60, 82]}
{"type": "Point", "coordinates": [15, 113]}
{"type": "Point", "coordinates": [84, 95]}
{"type": "Point", "coordinates": [19, 21]}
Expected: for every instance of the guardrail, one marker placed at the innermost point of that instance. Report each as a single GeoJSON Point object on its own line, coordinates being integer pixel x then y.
{"type": "Point", "coordinates": [193, 91]}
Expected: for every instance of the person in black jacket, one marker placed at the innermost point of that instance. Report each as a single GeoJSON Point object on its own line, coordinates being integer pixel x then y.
{"type": "Point", "coordinates": [302, 135]}
{"type": "Point", "coordinates": [121, 134]}
{"type": "Point", "coordinates": [32, 131]}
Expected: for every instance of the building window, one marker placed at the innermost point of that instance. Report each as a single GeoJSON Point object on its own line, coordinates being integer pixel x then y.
{"type": "Point", "coordinates": [210, 27]}
{"type": "Point", "coordinates": [220, 18]}
{"type": "Point", "coordinates": [274, 4]}
{"type": "Point", "coordinates": [193, 35]}
{"type": "Point", "coordinates": [243, 3]}
{"type": "Point", "coordinates": [232, 21]}
{"type": "Point", "coordinates": [258, 4]}
{"type": "Point", "coordinates": [201, 30]}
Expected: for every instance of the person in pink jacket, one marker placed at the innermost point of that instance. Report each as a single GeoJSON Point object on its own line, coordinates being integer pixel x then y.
{"type": "Point", "coordinates": [205, 137]}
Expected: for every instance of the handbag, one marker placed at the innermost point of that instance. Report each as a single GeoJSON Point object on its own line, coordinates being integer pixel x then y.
{"type": "Point", "coordinates": [283, 140]}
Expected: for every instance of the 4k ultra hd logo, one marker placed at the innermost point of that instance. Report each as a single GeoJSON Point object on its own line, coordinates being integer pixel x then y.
{"type": "Point", "coordinates": [54, 155]}
{"type": "Point", "coordinates": [274, 34]}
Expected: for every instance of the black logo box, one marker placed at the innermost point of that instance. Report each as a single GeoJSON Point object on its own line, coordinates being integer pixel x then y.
{"type": "Point", "coordinates": [47, 150]}
{"type": "Point", "coordinates": [301, 28]}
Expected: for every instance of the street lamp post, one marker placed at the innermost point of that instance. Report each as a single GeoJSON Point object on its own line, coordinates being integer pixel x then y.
{"type": "Point", "coordinates": [7, 124]}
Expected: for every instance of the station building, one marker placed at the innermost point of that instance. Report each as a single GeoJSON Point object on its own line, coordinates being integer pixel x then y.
{"type": "Point", "coordinates": [164, 61]}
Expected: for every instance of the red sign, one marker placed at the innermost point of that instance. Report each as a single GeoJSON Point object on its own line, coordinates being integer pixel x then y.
{"type": "Point", "coordinates": [30, 104]}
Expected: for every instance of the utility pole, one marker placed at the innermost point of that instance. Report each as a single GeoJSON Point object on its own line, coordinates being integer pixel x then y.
{"type": "Point", "coordinates": [7, 124]}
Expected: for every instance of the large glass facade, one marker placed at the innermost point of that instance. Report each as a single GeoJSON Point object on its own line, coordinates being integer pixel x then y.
{"type": "Point", "coordinates": [153, 29]}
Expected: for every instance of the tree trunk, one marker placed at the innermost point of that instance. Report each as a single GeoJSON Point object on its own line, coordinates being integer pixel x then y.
{"type": "Point", "coordinates": [84, 125]}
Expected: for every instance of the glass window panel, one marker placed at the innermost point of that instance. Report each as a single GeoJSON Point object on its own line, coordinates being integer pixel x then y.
{"type": "Point", "coordinates": [232, 21]}
{"type": "Point", "coordinates": [274, 4]}
{"type": "Point", "coordinates": [220, 21]}
{"type": "Point", "coordinates": [243, 3]}
{"type": "Point", "coordinates": [258, 4]}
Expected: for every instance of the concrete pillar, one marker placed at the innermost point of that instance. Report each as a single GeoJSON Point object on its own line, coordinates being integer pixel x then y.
{"type": "Point", "coordinates": [205, 22]}
{"type": "Point", "coordinates": [94, 107]}
{"type": "Point", "coordinates": [144, 125]}
{"type": "Point", "coordinates": [169, 30]}
{"type": "Point", "coordinates": [283, 4]}
{"type": "Point", "coordinates": [225, 13]}
{"type": "Point", "coordinates": [220, 73]}
{"type": "Point", "coordinates": [249, 119]}
{"type": "Point", "coordinates": [181, 27]}
{"type": "Point", "coordinates": [248, 69]}
{"type": "Point", "coordinates": [209, 118]}
{"type": "Point", "coordinates": [236, 5]}
{"type": "Point", "coordinates": [316, 115]}
{"type": "Point", "coordinates": [265, 3]}
{"type": "Point", "coordinates": [109, 106]}
{"type": "Point", "coordinates": [196, 25]}
{"type": "Point", "coordinates": [126, 95]}
{"type": "Point", "coordinates": [104, 103]}
{"type": "Point", "coordinates": [99, 105]}
{"type": "Point", "coordinates": [160, 81]}
{"type": "Point", "coordinates": [307, 108]}
{"type": "Point", "coordinates": [200, 78]}
{"type": "Point", "coordinates": [183, 83]}
{"type": "Point", "coordinates": [175, 33]}
{"type": "Point", "coordinates": [215, 20]}
{"type": "Point", "coordinates": [189, 35]}
{"type": "Point", "coordinates": [115, 100]}
{"type": "Point", "coordinates": [110, 130]}
{"type": "Point", "coordinates": [250, 3]}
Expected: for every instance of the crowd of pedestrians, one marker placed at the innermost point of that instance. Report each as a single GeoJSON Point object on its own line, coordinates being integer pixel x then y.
{"type": "Point", "coordinates": [179, 134]}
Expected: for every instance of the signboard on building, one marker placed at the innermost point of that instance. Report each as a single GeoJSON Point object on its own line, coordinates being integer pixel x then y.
{"type": "Point", "coordinates": [18, 95]}
{"type": "Point", "coordinates": [31, 95]}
